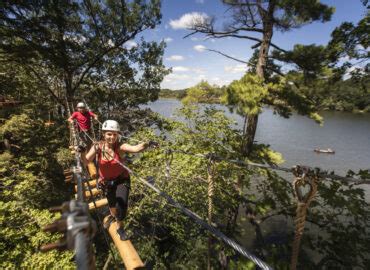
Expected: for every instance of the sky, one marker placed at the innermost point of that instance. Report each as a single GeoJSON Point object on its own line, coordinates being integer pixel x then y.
{"type": "Point", "coordinates": [191, 63]}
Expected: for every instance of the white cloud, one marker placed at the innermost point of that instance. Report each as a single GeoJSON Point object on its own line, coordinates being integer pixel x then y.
{"type": "Point", "coordinates": [130, 44]}
{"type": "Point", "coordinates": [198, 70]}
{"type": "Point", "coordinates": [240, 68]}
{"type": "Point", "coordinates": [189, 19]}
{"type": "Point", "coordinates": [195, 39]}
{"type": "Point", "coordinates": [168, 39]}
{"type": "Point", "coordinates": [180, 69]}
{"type": "Point", "coordinates": [175, 58]}
{"type": "Point", "coordinates": [199, 48]}
{"type": "Point", "coordinates": [176, 76]}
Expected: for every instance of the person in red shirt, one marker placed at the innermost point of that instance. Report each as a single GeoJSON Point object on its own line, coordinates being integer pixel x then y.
{"type": "Point", "coordinates": [114, 179]}
{"type": "Point", "coordinates": [83, 123]}
{"type": "Point", "coordinates": [83, 117]}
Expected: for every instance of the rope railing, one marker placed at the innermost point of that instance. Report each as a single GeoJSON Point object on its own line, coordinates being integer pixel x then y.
{"type": "Point", "coordinates": [319, 172]}
{"type": "Point", "coordinates": [76, 224]}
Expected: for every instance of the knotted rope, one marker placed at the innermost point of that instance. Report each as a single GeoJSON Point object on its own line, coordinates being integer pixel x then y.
{"type": "Point", "coordinates": [303, 176]}
{"type": "Point", "coordinates": [211, 186]}
{"type": "Point", "coordinates": [168, 161]}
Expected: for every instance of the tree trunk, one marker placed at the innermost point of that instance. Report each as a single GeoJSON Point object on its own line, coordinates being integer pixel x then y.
{"type": "Point", "coordinates": [260, 70]}
{"type": "Point", "coordinates": [250, 133]}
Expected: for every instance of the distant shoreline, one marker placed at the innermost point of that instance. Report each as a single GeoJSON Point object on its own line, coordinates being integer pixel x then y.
{"type": "Point", "coordinates": [353, 112]}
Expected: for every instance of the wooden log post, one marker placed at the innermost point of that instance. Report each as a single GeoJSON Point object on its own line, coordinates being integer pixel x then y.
{"type": "Point", "coordinates": [129, 255]}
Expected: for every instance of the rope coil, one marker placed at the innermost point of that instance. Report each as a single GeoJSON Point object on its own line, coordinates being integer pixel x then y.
{"type": "Point", "coordinates": [304, 176]}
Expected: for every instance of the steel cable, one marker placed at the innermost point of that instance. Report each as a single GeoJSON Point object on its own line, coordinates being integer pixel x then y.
{"type": "Point", "coordinates": [237, 247]}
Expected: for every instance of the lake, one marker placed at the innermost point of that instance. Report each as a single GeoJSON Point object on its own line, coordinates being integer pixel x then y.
{"type": "Point", "coordinates": [296, 138]}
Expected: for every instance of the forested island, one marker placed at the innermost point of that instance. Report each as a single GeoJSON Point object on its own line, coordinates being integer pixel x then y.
{"type": "Point", "coordinates": [203, 193]}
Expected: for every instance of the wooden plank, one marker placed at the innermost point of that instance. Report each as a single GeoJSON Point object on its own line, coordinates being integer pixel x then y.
{"type": "Point", "coordinates": [92, 170]}
{"type": "Point", "coordinates": [94, 191]}
{"type": "Point", "coordinates": [92, 184]}
{"type": "Point", "coordinates": [128, 253]}
{"type": "Point", "coordinates": [99, 203]}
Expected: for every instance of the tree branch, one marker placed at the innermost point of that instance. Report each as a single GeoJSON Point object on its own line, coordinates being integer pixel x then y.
{"type": "Point", "coordinates": [100, 56]}
{"type": "Point", "coordinates": [228, 56]}
{"type": "Point", "coordinates": [38, 76]}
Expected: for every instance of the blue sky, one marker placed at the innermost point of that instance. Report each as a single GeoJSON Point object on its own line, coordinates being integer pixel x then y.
{"type": "Point", "coordinates": [191, 64]}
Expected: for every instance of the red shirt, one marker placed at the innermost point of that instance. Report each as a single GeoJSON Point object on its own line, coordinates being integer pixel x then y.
{"type": "Point", "coordinates": [111, 169]}
{"type": "Point", "coordinates": [83, 119]}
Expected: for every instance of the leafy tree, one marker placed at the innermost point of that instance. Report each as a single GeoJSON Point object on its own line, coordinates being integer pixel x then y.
{"type": "Point", "coordinates": [262, 18]}
{"type": "Point", "coordinates": [203, 92]}
{"type": "Point", "coordinates": [351, 40]}
{"type": "Point", "coordinates": [71, 47]}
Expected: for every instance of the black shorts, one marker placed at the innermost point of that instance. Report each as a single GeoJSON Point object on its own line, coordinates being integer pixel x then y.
{"type": "Point", "coordinates": [117, 196]}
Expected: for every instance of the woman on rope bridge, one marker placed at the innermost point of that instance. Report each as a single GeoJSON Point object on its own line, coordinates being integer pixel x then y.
{"type": "Point", "coordinates": [114, 179]}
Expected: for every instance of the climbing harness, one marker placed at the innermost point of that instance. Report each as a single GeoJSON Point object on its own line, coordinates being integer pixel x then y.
{"type": "Point", "coordinates": [304, 177]}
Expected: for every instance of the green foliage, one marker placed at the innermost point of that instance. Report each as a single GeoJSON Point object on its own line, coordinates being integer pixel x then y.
{"type": "Point", "coordinates": [311, 60]}
{"type": "Point", "coordinates": [246, 94]}
{"type": "Point", "coordinates": [64, 157]}
{"type": "Point", "coordinates": [167, 93]}
{"type": "Point", "coordinates": [249, 95]}
{"type": "Point", "coordinates": [351, 40]}
{"type": "Point", "coordinates": [203, 92]}
{"type": "Point", "coordinates": [30, 183]}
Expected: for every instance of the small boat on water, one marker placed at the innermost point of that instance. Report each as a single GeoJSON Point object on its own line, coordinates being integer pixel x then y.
{"type": "Point", "coordinates": [324, 151]}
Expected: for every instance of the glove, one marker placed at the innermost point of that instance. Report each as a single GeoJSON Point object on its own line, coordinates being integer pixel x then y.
{"type": "Point", "coordinates": [101, 184]}
{"type": "Point", "coordinates": [80, 148]}
{"type": "Point", "coordinates": [153, 144]}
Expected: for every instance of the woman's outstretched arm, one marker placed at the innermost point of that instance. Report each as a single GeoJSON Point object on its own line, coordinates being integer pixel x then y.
{"type": "Point", "coordinates": [89, 156]}
{"type": "Point", "coordinates": [134, 148]}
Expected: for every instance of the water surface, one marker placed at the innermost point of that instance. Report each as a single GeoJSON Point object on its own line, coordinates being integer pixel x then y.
{"type": "Point", "coordinates": [346, 133]}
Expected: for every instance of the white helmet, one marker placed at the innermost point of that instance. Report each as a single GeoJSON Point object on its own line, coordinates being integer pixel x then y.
{"type": "Point", "coordinates": [81, 105]}
{"type": "Point", "coordinates": [110, 125]}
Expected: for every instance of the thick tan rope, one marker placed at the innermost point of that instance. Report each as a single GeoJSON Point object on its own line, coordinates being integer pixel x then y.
{"type": "Point", "coordinates": [303, 176]}
{"type": "Point", "coordinates": [210, 180]}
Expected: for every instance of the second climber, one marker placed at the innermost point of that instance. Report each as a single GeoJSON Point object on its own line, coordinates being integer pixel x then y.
{"type": "Point", "coordinates": [83, 121]}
